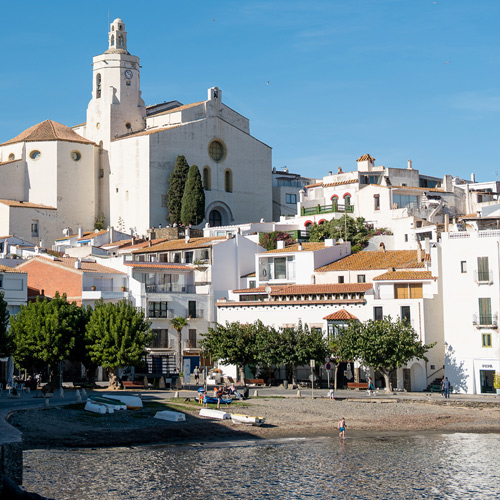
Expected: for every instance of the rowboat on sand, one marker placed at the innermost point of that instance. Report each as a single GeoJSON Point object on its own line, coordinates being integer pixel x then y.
{"type": "Point", "coordinates": [172, 416]}
{"type": "Point", "coordinates": [220, 415]}
{"type": "Point", "coordinates": [97, 407]}
{"type": "Point", "coordinates": [132, 402]}
{"type": "Point", "coordinates": [247, 419]}
{"type": "Point", "coordinates": [110, 403]}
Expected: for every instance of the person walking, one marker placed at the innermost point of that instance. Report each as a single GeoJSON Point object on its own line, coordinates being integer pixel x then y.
{"type": "Point", "coordinates": [196, 373]}
{"type": "Point", "coordinates": [371, 388]}
{"type": "Point", "coordinates": [342, 427]}
{"type": "Point", "coordinates": [446, 388]}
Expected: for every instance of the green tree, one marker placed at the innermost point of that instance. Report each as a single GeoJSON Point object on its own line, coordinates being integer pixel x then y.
{"type": "Point", "coordinates": [176, 186]}
{"type": "Point", "coordinates": [383, 344]}
{"type": "Point", "coordinates": [269, 240]}
{"type": "Point", "coordinates": [6, 341]}
{"type": "Point", "coordinates": [193, 200]}
{"type": "Point", "coordinates": [117, 336]}
{"type": "Point", "coordinates": [46, 332]}
{"type": "Point", "coordinates": [233, 344]}
{"type": "Point", "coordinates": [347, 228]}
{"type": "Point", "coordinates": [179, 323]}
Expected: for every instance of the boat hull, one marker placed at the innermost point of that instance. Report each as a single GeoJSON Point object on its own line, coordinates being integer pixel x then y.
{"type": "Point", "coordinates": [220, 415]}
{"type": "Point", "coordinates": [97, 408]}
{"type": "Point", "coordinates": [132, 402]}
{"type": "Point", "coordinates": [110, 403]}
{"type": "Point", "coordinates": [171, 416]}
{"type": "Point", "coordinates": [247, 419]}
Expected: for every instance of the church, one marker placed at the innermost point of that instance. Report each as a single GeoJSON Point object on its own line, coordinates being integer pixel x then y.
{"type": "Point", "coordinates": [115, 167]}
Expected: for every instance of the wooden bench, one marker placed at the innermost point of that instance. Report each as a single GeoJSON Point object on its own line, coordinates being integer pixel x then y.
{"type": "Point", "coordinates": [132, 384]}
{"type": "Point", "coordinates": [357, 385]}
{"type": "Point", "coordinates": [256, 381]}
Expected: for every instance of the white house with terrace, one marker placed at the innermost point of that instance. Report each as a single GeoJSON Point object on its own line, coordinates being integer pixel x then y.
{"type": "Point", "coordinates": [366, 285]}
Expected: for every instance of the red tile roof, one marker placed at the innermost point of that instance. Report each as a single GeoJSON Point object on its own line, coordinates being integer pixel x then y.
{"type": "Point", "coordinates": [306, 247]}
{"type": "Point", "coordinates": [277, 290]}
{"type": "Point", "coordinates": [366, 157]}
{"type": "Point", "coordinates": [159, 265]}
{"type": "Point", "coordinates": [340, 316]}
{"type": "Point", "coordinates": [405, 275]}
{"type": "Point", "coordinates": [181, 244]}
{"type": "Point", "coordinates": [25, 204]}
{"type": "Point", "coordinates": [7, 269]}
{"type": "Point", "coordinates": [92, 234]}
{"type": "Point", "coordinates": [368, 260]}
{"type": "Point", "coordinates": [69, 262]}
{"type": "Point", "coordinates": [48, 131]}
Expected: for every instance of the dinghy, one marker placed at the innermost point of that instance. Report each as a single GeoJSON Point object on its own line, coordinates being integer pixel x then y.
{"type": "Point", "coordinates": [110, 403]}
{"type": "Point", "coordinates": [172, 416]}
{"type": "Point", "coordinates": [132, 402]}
{"type": "Point", "coordinates": [220, 415]}
{"type": "Point", "coordinates": [247, 419]}
{"type": "Point", "coordinates": [97, 408]}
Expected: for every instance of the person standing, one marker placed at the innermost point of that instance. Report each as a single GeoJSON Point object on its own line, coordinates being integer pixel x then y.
{"type": "Point", "coordinates": [342, 427]}
{"type": "Point", "coordinates": [196, 373]}
{"type": "Point", "coordinates": [371, 388]}
{"type": "Point", "coordinates": [446, 388]}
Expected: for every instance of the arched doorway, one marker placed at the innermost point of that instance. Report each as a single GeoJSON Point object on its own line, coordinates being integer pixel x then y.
{"type": "Point", "coordinates": [215, 218]}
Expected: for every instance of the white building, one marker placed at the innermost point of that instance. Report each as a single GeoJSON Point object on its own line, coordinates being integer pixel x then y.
{"type": "Point", "coordinates": [116, 166]}
{"type": "Point", "coordinates": [470, 290]}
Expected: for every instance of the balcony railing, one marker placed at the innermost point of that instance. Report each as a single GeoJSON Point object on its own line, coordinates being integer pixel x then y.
{"type": "Point", "coordinates": [485, 320]}
{"type": "Point", "coordinates": [326, 209]}
{"type": "Point", "coordinates": [168, 314]}
{"type": "Point", "coordinates": [483, 277]}
{"type": "Point", "coordinates": [199, 314]}
{"type": "Point", "coordinates": [170, 288]}
{"type": "Point", "coordinates": [99, 288]}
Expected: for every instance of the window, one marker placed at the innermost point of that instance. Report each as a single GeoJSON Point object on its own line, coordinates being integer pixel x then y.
{"type": "Point", "coordinates": [207, 181]}
{"type": "Point", "coordinates": [335, 200]}
{"type": "Point", "coordinates": [408, 291]}
{"type": "Point", "coordinates": [405, 313]}
{"type": "Point", "coordinates": [376, 202]}
{"type": "Point", "coordinates": [483, 269]}
{"type": "Point", "coordinates": [192, 308]}
{"type": "Point", "coordinates": [76, 155]}
{"type": "Point", "coordinates": [34, 228]}
{"type": "Point", "coordinates": [486, 339]}
{"type": "Point", "coordinates": [347, 200]}
{"type": "Point", "coordinates": [485, 317]}
{"type": "Point", "coordinates": [341, 279]}
{"type": "Point", "coordinates": [157, 309]}
{"type": "Point", "coordinates": [291, 199]}
{"type": "Point", "coordinates": [228, 181]}
{"type": "Point", "coordinates": [404, 200]}
{"type": "Point", "coordinates": [12, 157]}
{"type": "Point", "coordinates": [161, 339]}
{"type": "Point", "coordinates": [277, 268]}
{"type": "Point", "coordinates": [35, 154]}
{"type": "Point", "coordinates": [177, 258]}
{"type": "Point", "coordinates": [361, 278]}
{"type": "Point", "coordinates": [192, 338]}
{"type": "Point", "coordinates": [463, 266]}
{"type": "Point", "coordinates": [252, 284]}
{"type": "Point", "coordinates": [164, 201]}
{"type": "Point", "coordinates": [189, 257]}
{"type": "Point", "coordinates": [98, 85]}
{"type": "Point", "coordinates": [406, 238]}
{"type": "Point", "coordinates": [216, 151]}
{"type": "Point", "coordinates": [378, 313]}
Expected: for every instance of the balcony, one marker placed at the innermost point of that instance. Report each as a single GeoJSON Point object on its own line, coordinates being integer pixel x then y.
{"type": "Point", "coordinates": [485, 320]}
{"type": "Point", "coordinates": [168, 314]}
{"type": "Point", "coordinates": [170, 288]}
{"type": "Point", "coordinates": [483, 277]}
{"type": "Point", "coordinates": [199, 314]}
{"type": "Point", "coordinates": [94, 292]}
{"type": "Point", "coordinates": [327, 209]}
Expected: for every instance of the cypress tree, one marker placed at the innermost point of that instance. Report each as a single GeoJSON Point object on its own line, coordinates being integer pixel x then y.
{"type": "Point", "coordinates": [176, 189]}
{"type": "Point", "coordinates": [193, 201]}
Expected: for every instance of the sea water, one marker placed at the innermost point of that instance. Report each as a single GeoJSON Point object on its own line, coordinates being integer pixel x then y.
{"type": "Point", "coordinates": [434, 466]}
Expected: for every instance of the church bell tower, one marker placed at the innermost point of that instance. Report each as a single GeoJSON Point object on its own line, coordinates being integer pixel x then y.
{"type": "Point", "coordinates": [116, 108]}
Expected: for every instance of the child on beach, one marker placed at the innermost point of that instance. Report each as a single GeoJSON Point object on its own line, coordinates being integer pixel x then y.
{"type": "Point", "coordinates": [342, 427]}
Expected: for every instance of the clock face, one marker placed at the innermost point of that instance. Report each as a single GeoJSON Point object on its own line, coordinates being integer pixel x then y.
{"type": "Point", "coordinates": [129, 74]}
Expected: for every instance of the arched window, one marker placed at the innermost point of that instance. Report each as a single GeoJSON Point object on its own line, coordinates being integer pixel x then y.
{"type": "Point", "coordinates": [347, 199]}
{"type": "Point", "coordinates": [98, 85]}
{"type": "Point", "coordinates": [308, 223]}
{"type": "Point", "coordinates": [12, 157]}
{"type": "Point", "coordinates": [120, 40]}
{"type": "Point", "coordinates": [335, 200]}
{"type": "Point", "coordinates": [228, 181]}
{"type": "Point", "coordinates": [112, 40]}
{"type": "Point", "coordinates": [207, 180]}
{"type": "Point", "coordinates": [215, 218]}
{"type": "Point", "coordinates": [322, 221]}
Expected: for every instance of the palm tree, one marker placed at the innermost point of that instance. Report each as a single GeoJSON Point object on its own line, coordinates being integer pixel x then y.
{"type": "Point", "coordinates": [179, 323]}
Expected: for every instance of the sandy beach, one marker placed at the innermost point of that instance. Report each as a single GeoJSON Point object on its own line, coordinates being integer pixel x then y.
{"type": "Point", "coordinates": [71, 426]}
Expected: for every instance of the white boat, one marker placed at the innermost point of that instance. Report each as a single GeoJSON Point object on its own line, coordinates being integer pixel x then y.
{"type": "Point", "coordinates": [132, 402]}
{"type": "Point", "coordinates": [221, 415]}
{"type": "Point", "coordinates": [97, 407]}
{"type": "Point", "coordinates": [247, 419]}
{"type": "Point", "coordinates": [172, 416]}
{"type": "Point", "coordinates": [110, 403]}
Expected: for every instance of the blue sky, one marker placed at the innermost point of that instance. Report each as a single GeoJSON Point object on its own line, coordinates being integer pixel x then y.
{"type": "Point", "coordinates": [399, 79]}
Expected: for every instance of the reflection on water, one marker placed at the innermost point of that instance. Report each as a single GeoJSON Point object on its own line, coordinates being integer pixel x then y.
{"type": "Point", "coordinates": [454, 466]}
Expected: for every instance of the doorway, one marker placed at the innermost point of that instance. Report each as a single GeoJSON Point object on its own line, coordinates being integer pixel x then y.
{"type": "Point", "coordinates": [486, 379]}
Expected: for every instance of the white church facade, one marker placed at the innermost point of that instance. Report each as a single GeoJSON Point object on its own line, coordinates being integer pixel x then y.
{"type": "Point", "coordinates": [116, 166]}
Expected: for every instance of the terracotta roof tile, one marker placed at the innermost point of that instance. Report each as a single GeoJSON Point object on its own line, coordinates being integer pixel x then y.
{"type": "Point", "coordinates": [340, 183]}
{"type": "Point", "coordinates": [48, 131]}
{"type": "Point", "coordinates": [92, 234]}
{"type": "Point", "coordinates": [306, 247]}
{"type": "Point", "coordinates": [25, 204]}
{"type": "Point", "coordinates": [7, 269]}
{"type": "Point", "coordinates": [181, 244]}
{"type": "Point", "coordinates": [418, 188]}
{"type": "Point", "coordinates": [179, 108]}
{"type": "Point", "coordinates": [366, 158]}
{"type": "Point", "coordinates": [159, 265]}
{"type": "Point", "coordinates": [340, 316]}
{"type": "Point", "coordinates": [368, 260]}
{"type": "Point", "coordinates": [316, 184]}
{"type": "Point", "coordinates": [69, 262]}
{"type": "Point", "coordinates": [277, 290]}
{"type": "Point", "coordinates": [405, 275]}
{"type": "Point", "coordinates": [149, 131]}
{"type": "Point", "coordinates": [8, 161]}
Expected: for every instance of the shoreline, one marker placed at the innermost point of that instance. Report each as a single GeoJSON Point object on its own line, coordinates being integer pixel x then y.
{"type": "Point", "coordinates": [286, 418]}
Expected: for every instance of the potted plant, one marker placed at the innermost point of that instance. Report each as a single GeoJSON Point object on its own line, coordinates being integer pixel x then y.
{"type": "Point", "coordinates": [92, 288]}
{"type": "Point", "coordinates": [496, 382]}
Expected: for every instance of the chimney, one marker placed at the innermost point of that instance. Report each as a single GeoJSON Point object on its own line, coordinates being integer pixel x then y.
{"type": "Point", "coordinates": [111, 230]}
{"type": "Point", "coordinates": [419, 252]}
{"type": "Point", "coordinates": [299, 248]}
{"type": "Point", "coordinates": [329, 242]}
{"type": "Point", "coordinates": [473, 177]}
{"type": "Point", "coordinates": [330, 173]}
{"type": "Point", "coordinates": [280, 245]}
{"type": "Point", "coordinates": [78, 264]}
{"type": "Point", "coordinates": [381, 247]}
{"type": "Point", "coordinates": [80, 232]}
{"type": "Point", "coordinates": [339, 170]}
{"type": "Point", "coordinates": [410, 166]}
{"type": "Point", "coordinates": [446, 223]}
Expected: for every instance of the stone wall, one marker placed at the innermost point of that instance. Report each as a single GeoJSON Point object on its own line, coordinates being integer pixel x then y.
{"type": "Point", "coordinates": [11, 452]}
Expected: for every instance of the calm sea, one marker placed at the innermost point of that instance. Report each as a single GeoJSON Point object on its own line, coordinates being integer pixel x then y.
{"type": "Point", "coordinates": [451, 466]}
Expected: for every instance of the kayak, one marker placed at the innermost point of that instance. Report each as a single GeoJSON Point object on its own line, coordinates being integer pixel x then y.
{"type": "Point", "coordinates": [132, 402]}
{"type": "Point", "coordinates": [110, 403]}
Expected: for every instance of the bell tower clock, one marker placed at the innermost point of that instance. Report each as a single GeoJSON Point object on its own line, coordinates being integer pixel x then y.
{"type": "Point", "coordinates": [116, 108]}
